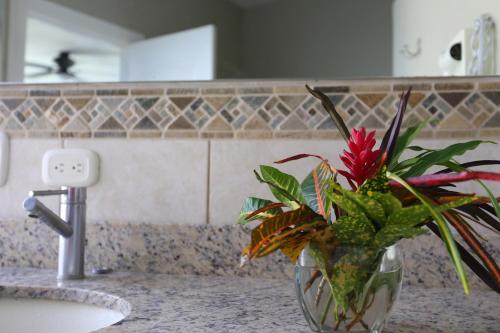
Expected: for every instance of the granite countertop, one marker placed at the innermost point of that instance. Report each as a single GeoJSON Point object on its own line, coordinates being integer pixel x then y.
{"type": "Point", "coordinates": [175, 303]}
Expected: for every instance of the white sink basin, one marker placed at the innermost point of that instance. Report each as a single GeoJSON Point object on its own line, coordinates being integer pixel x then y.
{"type": "Point", "coordinates": [26, 315]}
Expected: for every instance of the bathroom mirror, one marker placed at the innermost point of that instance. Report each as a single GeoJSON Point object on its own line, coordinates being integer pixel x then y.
{"type": "Point", "coordinates": [164, 40]}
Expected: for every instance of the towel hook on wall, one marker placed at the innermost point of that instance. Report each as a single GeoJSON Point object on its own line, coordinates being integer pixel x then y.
{"type": "Point", "coordinates": [405, 50]}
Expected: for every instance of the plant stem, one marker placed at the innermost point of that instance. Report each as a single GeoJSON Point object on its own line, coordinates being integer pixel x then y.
{"type": "Point", "coordinates": [319, 291]}
{"type": "Point", "coordinates": [328, 305]}
{"type": "Point", "coordinates": [310, 282]}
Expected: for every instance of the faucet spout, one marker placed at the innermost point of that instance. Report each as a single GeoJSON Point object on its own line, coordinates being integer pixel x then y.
{"type": "Point", "coordinates": [38, 210]}
{"type": "Point", "coordinates": [69, 224]}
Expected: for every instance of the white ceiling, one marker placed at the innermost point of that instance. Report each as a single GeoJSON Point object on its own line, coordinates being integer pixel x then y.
{"type": "Point", "coordinates": [96, 60]}
{"type": "Point", "coordinates": [251, 3]}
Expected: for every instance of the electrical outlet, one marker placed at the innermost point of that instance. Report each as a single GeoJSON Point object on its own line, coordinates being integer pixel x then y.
{"type": "Point", "coordinates": [70, 167]}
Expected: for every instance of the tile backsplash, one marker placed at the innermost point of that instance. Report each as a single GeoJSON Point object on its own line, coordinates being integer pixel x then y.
{"type": "Point", "coordinates": [457, 108]}
{"type": "Point", "coordinates": [183, 153]}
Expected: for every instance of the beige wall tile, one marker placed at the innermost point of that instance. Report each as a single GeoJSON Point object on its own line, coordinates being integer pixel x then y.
{"type": "Point", "coordinates": [232, 161]}
{"type": "Point", "coordinates": [152, 181]}
{"type": "Point", "coordinates": [25, 174]}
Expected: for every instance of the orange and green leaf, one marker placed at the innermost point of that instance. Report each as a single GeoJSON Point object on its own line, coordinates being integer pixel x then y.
{"type": "Point", "coordinates": [262, 235]}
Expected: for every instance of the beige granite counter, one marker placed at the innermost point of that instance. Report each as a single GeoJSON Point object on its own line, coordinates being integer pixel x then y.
{"type": "Point", "coordinates": [175, 303]}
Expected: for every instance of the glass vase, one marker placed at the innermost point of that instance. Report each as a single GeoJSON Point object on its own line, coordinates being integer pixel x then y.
{"type": "Point", "coordinates": [362, 287]}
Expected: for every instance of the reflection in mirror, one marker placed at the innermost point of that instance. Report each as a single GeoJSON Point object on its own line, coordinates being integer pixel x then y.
{"type": "Point", "coordinates": [161, 40]}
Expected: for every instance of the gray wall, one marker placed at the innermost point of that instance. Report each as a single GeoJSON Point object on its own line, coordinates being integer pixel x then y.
{"type": "Point", "coordinates": [157, 17]}
{"type": "Point", "coordinates": [282, 39]}
{"type": "Point", "coordinates": [318, 39]}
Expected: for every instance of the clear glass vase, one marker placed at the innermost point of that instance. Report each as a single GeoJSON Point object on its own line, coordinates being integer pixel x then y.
{"type": "Point", "coordinates": [359, 293]}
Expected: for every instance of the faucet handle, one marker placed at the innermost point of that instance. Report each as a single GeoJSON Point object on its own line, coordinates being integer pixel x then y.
{"type": "Point", "coordinates": [44, 193]}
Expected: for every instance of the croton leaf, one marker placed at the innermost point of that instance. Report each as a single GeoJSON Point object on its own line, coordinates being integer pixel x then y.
{"type": "Point", "coordinates": [293, 240]}
{"type": "Point", "coordinates": [263, 234]}
{"type": "Point", "coordinates": [253, 205]}
{"type": "Point", "coordinates": [294, 246]}
{"type": "Point", "coordinates": [314, 188]}
{"type": "Point", "coordinates": [285, 182]}
{"type": "Point", "coordinates": [349, 230]}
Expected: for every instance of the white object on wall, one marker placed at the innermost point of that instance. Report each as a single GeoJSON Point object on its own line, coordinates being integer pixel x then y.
{"type": "Point", "coordinates": [184, 55]}
{"type": "Point", "coordinates": [4, 157]}
{"type": "Point", "coordinates": [70, 167]}
{"type": "Point", "coordinates": [435, 21]}
{"type": "Point", "coordinates": [483, 47]}
{"type": "Point", "coordinates": [455, 59]}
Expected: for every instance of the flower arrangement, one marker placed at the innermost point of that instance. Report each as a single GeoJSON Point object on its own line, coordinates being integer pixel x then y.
{"type": "Point", "coordinates": [387, 199]}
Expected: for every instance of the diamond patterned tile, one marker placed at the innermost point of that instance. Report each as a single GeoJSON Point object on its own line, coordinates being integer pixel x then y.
{"type": "Point", "coordinates": [229, 111]}
{"type": "Point", "coordinates": [477, 103]}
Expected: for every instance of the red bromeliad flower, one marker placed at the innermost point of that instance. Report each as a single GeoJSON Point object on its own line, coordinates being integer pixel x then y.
{"type": "Point", "coordinates": [362, 159]}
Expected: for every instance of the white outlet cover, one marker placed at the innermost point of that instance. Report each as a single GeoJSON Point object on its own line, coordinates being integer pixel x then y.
{"type": "Point", "coordinates": [4, 157]}
{"type": "Point", "coordinates": [70, 167]}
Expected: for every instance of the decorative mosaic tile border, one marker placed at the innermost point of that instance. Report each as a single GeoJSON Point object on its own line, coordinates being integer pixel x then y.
{"type": "Point", "coordinates": [242, 109]}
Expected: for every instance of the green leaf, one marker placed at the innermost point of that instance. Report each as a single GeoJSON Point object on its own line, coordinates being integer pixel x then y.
{"type": "Point", "coordinates": [440, 156]}
{"type": "Point", "coordinates": [404, 140]}
{"type": "Point", "coordinates": [392, 233]}
{"type": "Point", "coordinates": [350, 230]}
{"type": "Point", "coordinates": [347, 205]}
{"type": "Point", "coordinates": [456, 203]}
{"type": "Point", "coordinates": [370, 207]}
{"type": "Point", "coordinates": [406, 164]}
{"type": "Point", "coordinates": [351, 273]}
{"type": "Point", "coordinates": [388, 201]}
{"type": "Point", "coordinates": [416, 214]}
{"type": "Point", "coordinates": [451, 246]}
{"type": "Point", "coordinates": [409, 216]}
{"type": "Point", "coordinates": [418, 148]}
{"type": "Point", "coordinates": [314, 189]}
{"type": "Point", "coordinates": [251, 205]}
{"type": "Point", "coordinates": [283, 182]}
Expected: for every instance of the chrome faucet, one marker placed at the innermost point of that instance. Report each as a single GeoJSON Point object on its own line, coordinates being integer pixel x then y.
{"type": "Point", "coordinates": [70, 225]}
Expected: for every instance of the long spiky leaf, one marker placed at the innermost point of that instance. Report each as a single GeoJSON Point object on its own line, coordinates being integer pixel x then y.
{"type": "Point", "coordinates": [470, 261]}
{"type": "Point", "coordinates": [459, 225]}
{"type": "Point", "coordinates": [330, 108]}
{"type": "Point", "coordinates": [390, 138]}
{"type": "Point", "coordinates": [447, 178]}
{"type": "Point", "coordinates": [472, 164]}
{"type": "Point", "coordinates": [443, 228]}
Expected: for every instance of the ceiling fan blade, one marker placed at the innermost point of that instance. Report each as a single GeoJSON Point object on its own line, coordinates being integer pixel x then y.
{"type": "Point", "coordinates": [34, 64]}
{"type": "Point", "coordinates": [92, 52]}
{"type": "Point", "coordinates": [32, 76]}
